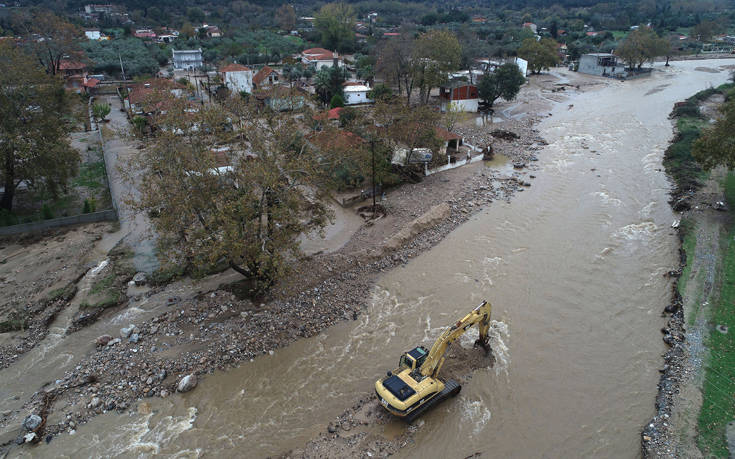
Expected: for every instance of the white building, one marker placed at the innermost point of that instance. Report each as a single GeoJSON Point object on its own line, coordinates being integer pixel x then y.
{"type": "Point", "coordinates": [237, 78]}
{"type": "Point", "coordinates": [93, 34]}
{"type": "Point", "coordinates": [356, 93]}
{"type": "Point", "coordinates": [188, 59]}
{"type": "Point", "coordinates": [489, 65]}
{"type": "Point", "coordinates": [320, 57]}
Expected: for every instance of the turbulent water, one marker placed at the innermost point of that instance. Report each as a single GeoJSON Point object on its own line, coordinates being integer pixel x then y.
{"type": "Point", "coordinates": [574, 268]}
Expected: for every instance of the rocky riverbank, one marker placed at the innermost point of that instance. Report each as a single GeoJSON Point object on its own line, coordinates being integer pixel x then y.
{"type": "Point", "coordinates": [672, 432]}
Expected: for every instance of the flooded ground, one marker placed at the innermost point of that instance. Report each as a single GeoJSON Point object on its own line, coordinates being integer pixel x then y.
{"type": "Point", "coordinates": [574, 266]}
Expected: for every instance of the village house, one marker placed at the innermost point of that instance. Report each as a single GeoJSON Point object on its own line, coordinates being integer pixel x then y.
{"type": "Point", "coordinates": [532, 26]}
{"type": "Point", "coordinates": [602, 64]}
{"type": "Point", "coordinates": [74, 74]}
{"type": "Point", "coordinates": [237, 78]}
{"type": "Point", "coordinates": [459, 95]}
{"type": "Point", "coordinates": [489, 65]}
{"type": "Point", "coordinates": [93, 34]}
{"type": "Point", "coordinates": [320, 57]}
{"type": "Point", "coordinates": [188, 59]}
{"type": "Point", "coordinates": [100, 9]}
{"type": "Point", "coordinates": [356, 93]}
{"type": "Point", "coordinates": [265, 78]}
{"type": "Point", "coordinates": [166, 38]}
{"type": "Point", "coordinates": [147, 34]}
{"type": "Point", "coordinates": [331, 116]}
{"type": "Point", "coordinates": [209, 31]}
{"type": "Point", "coordinates": [149, 96]}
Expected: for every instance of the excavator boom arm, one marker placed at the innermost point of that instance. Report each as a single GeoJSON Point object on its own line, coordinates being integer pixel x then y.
{"type": "Point", "coordinates": [479, 316]}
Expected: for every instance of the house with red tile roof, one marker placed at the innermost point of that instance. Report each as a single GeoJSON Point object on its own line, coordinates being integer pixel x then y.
{"type": "Point", "coordinates": [74, 74]}
{"type": "Point", "coordinates": [266, 78]}
{"type": "Point", "coordinates": [320, 57]}
{"type": "Point", "coordinates": [237, 78]}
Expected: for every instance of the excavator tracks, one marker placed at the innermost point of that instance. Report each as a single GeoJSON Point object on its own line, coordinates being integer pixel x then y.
{"type": "Point", "coordinates": [451, 388]}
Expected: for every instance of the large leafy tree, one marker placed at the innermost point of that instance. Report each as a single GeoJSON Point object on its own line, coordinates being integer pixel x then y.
{"type": "Point", "coordinates": [716, 145]}
{"type": "Point", "coordinates": [393, 64]}
{"type": "Point", "coordinates": [541, 55]}
{"type": "Point", "coordinates": [504, 82]}
{"type": "Point", "coordinates": [286, 17]}
{"type": "Point", "coordinates": [49, 37]}
{"type": "Point", "coordinates": [642, 45]}
{"type": "Point", "coordinates": [33, 142]}
{"type": "Point", "coordinates": [436, 53]}
{"type": "Point", "coordinates": [336, 23]}
{"type": "Point", "coordinates": [247, 214]}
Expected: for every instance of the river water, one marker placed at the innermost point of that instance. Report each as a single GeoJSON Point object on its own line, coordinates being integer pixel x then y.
{"type": "Point", "coordinates": [574, 266]}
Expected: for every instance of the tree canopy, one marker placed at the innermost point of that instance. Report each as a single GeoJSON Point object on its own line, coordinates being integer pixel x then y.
{"type": "Point", "coordinates": [336, 23]}
{"type": "Point", "coordinates": [248, 213]}
{"type": "Point", "coordinates": [541, 55]}
{"type": "Point", "coordinates": [642, 45]}
{"type": "Point", "coordinates": [33, 142]}
{"type": "Point", "coordinates": [716, 145]}
{"type": "Point", "coordinates": [504, 82]}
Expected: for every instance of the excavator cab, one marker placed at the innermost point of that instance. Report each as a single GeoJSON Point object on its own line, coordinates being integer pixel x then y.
{"type": "Point", "coordinates": [413, 359]}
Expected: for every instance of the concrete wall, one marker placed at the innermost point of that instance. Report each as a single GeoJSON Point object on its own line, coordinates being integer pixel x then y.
{"type": "Point", "coordinates": [34, 227]}
{"type": "Point", "coordinates": [466, 105]}
{"type": "Point", "coordinates": [239, 81]}
{"type": "Point", "coordinates": [352, 98]}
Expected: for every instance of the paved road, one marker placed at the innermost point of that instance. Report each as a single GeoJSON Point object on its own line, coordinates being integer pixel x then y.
{"type": "Point", "coordinates": [119, 150]}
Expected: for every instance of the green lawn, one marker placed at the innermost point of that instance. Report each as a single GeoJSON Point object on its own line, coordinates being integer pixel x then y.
{"type": "Point", "coordinates": [718, 405]}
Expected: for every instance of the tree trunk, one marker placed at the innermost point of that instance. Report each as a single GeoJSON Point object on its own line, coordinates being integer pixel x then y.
{"type": "Point", "coordinates": [239, 269]}
{"type": "Point", "coordinates": [7, 199]}
{"type": "Point", "coordinates": [667, 61]}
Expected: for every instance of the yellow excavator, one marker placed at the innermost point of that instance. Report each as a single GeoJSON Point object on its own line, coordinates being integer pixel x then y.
{"type": "Point", "coordinates": [414, 387]}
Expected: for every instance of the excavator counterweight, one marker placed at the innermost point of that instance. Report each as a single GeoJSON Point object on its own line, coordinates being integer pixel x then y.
{"type": "Point", "coordinates": [414, 387]}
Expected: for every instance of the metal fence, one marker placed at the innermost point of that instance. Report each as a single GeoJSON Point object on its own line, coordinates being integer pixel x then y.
{"type": "Point", "coordinates": [34, 227]}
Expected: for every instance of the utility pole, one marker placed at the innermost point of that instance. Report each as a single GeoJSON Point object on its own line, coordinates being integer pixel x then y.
{"type": "Point", "coordinates": [372, 154]}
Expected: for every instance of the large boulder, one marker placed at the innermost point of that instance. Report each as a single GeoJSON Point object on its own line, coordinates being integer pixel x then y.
{"type": "Point", "coordinates": [32, 422]}
{"type": "Point", "coordinates": [127, 331]}
{"type": "Point", "coordinates": [103, 340]}
{"type": "Point", "coordinates": [187, 383]}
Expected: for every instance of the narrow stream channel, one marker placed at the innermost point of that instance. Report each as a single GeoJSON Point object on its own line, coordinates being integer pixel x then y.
{"type": "Point", "coordinates": [574, 266]}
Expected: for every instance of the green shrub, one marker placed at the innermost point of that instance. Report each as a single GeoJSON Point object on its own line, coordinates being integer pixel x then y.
{"type": "Point", "coordinates": [46, 212]}
{"type": "Point", "coordinates": [337, 101]}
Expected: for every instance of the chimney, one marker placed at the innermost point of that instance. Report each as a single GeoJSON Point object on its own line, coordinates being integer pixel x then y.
{"type": "Point", "coordinates": [335, 59]}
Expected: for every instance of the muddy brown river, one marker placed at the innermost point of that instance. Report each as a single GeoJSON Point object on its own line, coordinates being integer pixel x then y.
{"type": "Point", "coordinates": [574, 266]}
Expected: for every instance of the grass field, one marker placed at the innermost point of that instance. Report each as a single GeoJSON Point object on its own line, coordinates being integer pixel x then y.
{"type": "Point", "coordinates": [718, 390]}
